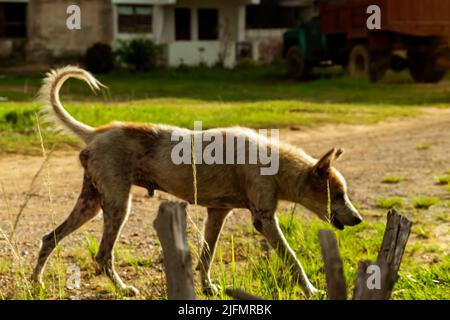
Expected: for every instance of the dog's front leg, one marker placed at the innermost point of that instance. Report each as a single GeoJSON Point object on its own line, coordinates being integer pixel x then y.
{"type": "Point", "coordinates": [267, 224]}
{"type": "Point", "coordinates": [213, 226]}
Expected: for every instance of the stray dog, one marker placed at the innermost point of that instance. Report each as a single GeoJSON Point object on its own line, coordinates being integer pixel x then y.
{"type": "Point", "coordinates": [120, 155]}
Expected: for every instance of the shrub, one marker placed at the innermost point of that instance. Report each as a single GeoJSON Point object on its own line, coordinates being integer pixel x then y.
{"type": "Point", "coordinates": [99, 58]}
{"type": "Point", "coordinates": [142, 54]}
{"type": "Point", "coordinates": [21, 121]}
{"type": "Point", "coordinates": [247, 63]}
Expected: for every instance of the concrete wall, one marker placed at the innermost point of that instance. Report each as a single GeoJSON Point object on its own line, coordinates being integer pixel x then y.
{"type": "Point", "coordinates": [196, 52]}
{"type": "Point", "coordinates": [50, 39]}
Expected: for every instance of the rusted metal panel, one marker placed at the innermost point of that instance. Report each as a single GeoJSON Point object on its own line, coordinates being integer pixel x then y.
{"type": "Point", "coordinates": [418, 17]}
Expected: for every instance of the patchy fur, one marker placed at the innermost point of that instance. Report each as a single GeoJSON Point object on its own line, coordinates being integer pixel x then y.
{"type": "Point", "coordinates": [120, 155]}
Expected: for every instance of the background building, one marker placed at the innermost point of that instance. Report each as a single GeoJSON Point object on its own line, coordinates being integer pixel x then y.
{"type": "Point", "coordinates": [191, 32]}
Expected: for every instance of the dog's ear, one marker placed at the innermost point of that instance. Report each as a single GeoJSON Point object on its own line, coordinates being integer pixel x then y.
{"type": "Point", "coordinates": [338, 154]}
{"type": "Point", "coordinates": [323, 166]}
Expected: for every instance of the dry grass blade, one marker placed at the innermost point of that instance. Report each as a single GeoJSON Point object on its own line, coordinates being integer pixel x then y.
{"type": "Point", "coordinates": [50, 199]}
{"type": "Point", "coordinates": [29, 194]}
{"type": "Point", "coordinates": [19, 261]}
{"type": "Point", "coordinates": [195, 224]}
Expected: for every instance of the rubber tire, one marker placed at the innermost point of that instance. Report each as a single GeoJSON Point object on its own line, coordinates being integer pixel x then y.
{"type": "Point", "coordinates": [295, 64]}
{"type": "Point", "coordinates": [423, 69]}
{"type": "Point", "coordinates": [359, 61]}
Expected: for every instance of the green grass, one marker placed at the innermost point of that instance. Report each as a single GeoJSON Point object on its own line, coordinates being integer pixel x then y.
{"type": "Point", "coordinates": [444, 217]}
{"type": "Point", "coordinates": [264, 274]}
{"type": "Point", "coordinates": [443, 180]}
{"type": "Point", "coordinates": [253, 97]}
{"type": "Point", "coordinates": [242, 262]}
{"type": "Point", "coordinates": [392, 179]}
{"type": "Point", "coordinates": [389, 203]}
{"type": "Point", "coordinates": [91, 245]}
{"type": "Point", "coordinates": [424, 202]}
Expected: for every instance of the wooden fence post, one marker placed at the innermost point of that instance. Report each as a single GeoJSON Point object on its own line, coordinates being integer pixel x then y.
{"type": "Point", "coordinates": [334, 272]}
{"type": "Point", "coordinates": [375, 279]}
{"type": "Point", "coordinates": [170, 225]}
{"type": "Point", "coordinates": [398, 229]}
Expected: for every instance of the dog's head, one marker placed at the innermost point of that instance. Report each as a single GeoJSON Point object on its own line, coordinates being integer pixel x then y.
{"type": "Point", "coordinates": [325, 193]}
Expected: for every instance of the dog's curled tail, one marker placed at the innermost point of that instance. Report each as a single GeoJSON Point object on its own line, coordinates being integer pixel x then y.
{"type": "Point", "coordinates": [54, 110]}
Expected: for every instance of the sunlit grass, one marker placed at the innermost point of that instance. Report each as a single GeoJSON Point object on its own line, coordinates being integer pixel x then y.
{"type": "Point", "coordinates": [258, 98]}
{"type": "Point", "coordinates": [424, 202]}
{"type": "Point", "coordinates": [443, 180]}
{"type": "Point", "coordinates": [392, 179]}
{"type": "Point", "coordinates": [390, 203]}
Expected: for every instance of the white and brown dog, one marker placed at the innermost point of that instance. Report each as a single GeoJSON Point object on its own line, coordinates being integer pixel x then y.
{"type": "Point", "coordinates": [120, 155]}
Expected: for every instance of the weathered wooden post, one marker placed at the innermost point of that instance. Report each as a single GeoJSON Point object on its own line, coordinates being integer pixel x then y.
{"type": "Point", "coordinates": [398, 229]}
{"type": "Point", "coordinates": [170, 225]}
{"type": "Point", "coordinates": [337, 288]}
{"type": "Point", "coordinates": [239, 294]}
{"type": "Point", "coordinates": [385, 268]}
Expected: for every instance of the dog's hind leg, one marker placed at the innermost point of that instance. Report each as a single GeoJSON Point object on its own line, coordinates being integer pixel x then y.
{"type": "Point", "coordinates": [267, 224]}
{"type": "Point", "coordinates": [86, 208]}
{"type": "Point", "coordinates": [116, 206]}
{"type": "Point", "coordinates": [213, 227]}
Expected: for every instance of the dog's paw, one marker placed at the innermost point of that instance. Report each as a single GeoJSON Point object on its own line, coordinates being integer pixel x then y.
{"type": "Point", "coordinates": [318, 293]}
{"type": "Point", "coordinates": [129, 291]}
{"type": "Point", "coordinates": [211, 289]}
{"type": "Point", "coordinates": [37, 281]}
{"type": "Point", "coordinates": [314, 293]}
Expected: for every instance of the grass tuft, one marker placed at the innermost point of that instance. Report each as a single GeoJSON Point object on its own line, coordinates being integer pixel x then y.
{"type": "Point", "coordinates": [392, 179]}
{"type": "Point", "coordinates": [390, 203]}
{"type": "Point", "coordinates": [91, 245]}
{"type": "Point", "coordinates": [423, 147]}
{"type": "Point", "coordinates": [443, 180]}
{"type": "Point", "coordinates": [424, 202]}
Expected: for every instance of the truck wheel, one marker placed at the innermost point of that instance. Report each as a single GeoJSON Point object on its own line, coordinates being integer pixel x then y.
{"type": "Point", "coordinates": [424, 69]}
{"type": "Point", "coordinates": [380, 62]}
{"type": "Point", "coordinates": [296, 66]}
{"type": "Point", "coordinates": [359, 61]}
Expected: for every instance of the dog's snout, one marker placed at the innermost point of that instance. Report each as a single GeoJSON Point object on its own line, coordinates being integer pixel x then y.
{"type": "Point", "coordinates": [357, 220]}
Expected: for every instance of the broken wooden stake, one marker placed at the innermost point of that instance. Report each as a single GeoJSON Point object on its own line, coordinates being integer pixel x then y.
{"type": "Point", "coordinates": [375, 279]}
{"type": "Point", "coordinates": [170, 225]}
{"type": "Point", "coordinates": [396, 236]}
{"type": "Point", "coordinates": [239, 294]}
{"type": "Point", "coordinates": [398, 229]}
{"type": "Point", "coordinates": [334, 272]}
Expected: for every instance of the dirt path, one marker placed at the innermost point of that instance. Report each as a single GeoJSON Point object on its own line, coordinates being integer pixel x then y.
{"type": "Point", "coordinates": [418, 149]}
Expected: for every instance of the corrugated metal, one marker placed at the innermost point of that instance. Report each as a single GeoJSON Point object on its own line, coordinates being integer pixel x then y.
{"type": "Point", "coordinates": [419, 17]}
{"type": "Point", "coordinates": [412, 17]}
